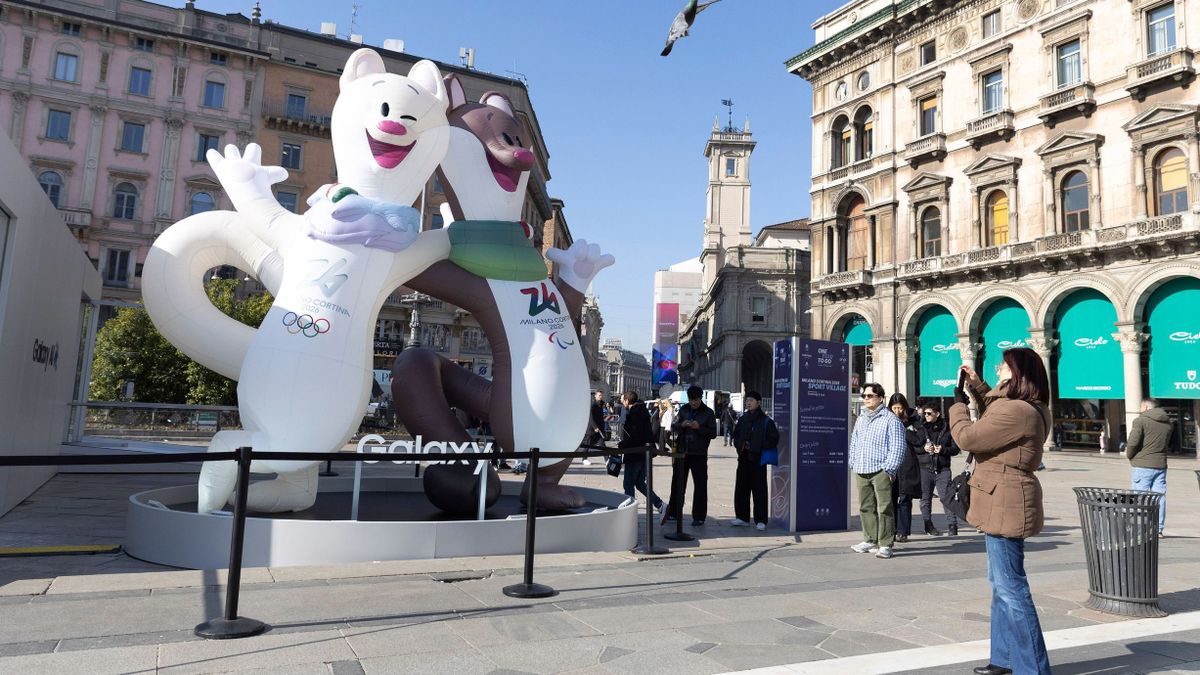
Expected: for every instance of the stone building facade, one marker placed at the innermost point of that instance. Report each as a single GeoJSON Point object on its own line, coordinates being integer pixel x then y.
{"type": "Point", "coordinates": [753, 292]}
{"type": "Point", "coordinates": [989, 174]}
{"type": "Point", "coordinates": [626, 370]}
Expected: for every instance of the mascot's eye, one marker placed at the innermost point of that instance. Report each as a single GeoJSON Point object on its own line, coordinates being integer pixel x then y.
{"type": "Point", "coordinates": [384, 110]}
{"type": "Point", "coordinates": [507, 139]}
{"type": "Point", "coordinates": [519, 142]}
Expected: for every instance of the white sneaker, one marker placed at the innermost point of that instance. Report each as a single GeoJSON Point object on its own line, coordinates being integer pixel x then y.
{"type": "Point", "coordinates": [587, 462]}
{"type": "Point", "coordinates": [865, 547]}
{"type": "Point", "coordinates": [885, 552]}
{"type": "Point", "coordinates": [761, 527]}
{"type": "Point", "coordinates": [738, 522]}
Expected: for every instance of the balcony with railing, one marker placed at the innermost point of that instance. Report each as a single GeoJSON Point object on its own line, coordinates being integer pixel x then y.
{"type": "Point", "coordinates": [997, 124]}
{"type": "Point", "coordinates": [1163, 232]}
{"type": "Point", "coordinates": [850, 283]}
{"type": "Point", "coordinates": [1078, 99]}
{"type": "Point", "coordinates": [931, 147]}
{"type": "Point", "coordinates": [299, 118]}
{"type": "Point", "coordinates": [1166, 69]}
{"type": "Point", "coordinates": [79, 218]}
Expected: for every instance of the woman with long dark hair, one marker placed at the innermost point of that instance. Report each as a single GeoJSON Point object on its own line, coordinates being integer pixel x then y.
{"type": "Point", "coordinates": [907, 485]}
{"type": "Point", "coordinates": [1006, 498]}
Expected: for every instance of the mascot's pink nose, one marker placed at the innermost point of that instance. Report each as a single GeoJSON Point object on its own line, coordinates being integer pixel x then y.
{"type": "Point", "coordinates": [390, 127]}
{"type": "Point", "coordinates": [523, 156]}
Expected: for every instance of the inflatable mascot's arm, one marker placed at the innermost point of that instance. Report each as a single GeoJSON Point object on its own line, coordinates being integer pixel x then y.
{"type": "Point", "coordinates": [248, 184]}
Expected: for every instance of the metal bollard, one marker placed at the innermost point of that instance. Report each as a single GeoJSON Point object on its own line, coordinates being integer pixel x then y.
{"type": "Point", "coordinates": [528, 589]}
{"type": "Point", "coordinates": [649, 548]}
{"type": "Point", "coordinates": [231, 625]}
{"type": "Point", "coordinates": [677, 471]}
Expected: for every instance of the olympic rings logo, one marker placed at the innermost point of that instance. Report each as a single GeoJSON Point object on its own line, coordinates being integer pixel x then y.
{"type": "Point", "coordinates": [305, 324]}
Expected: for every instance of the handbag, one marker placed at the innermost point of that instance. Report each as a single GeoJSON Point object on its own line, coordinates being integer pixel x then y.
{"type": "Point", "coordinates": [958, 498]}
{"type": "Point", "coordinates": [769, 456]}
{"type": "Point", "coordinates": [613, 467]}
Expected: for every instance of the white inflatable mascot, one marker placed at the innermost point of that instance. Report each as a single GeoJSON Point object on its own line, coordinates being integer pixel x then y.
{"type": "Point", "coordinates": [304, 376]}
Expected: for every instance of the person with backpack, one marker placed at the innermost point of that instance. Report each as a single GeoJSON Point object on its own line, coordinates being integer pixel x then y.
{"type": "Point", "coordinates": [752, 434]}
{"type": "Point", "coordinates": [907, 485]}
{"type": "Point", "coordinates": [637, 432]}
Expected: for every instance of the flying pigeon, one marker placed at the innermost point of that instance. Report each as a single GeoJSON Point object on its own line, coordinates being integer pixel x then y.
{"type": "Point", "coordinates": [683, 22]}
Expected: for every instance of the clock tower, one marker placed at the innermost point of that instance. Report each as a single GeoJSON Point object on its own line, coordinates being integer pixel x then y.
{"type": "Point", "coordinates": [727, 212]}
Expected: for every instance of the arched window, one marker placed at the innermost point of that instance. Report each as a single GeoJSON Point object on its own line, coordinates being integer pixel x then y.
{"type": "Point", "coordinates": [840, 152]}
{"type": "Point", "coordinates": [52, 183]}
{"type": "Point", "coordinates": [201, 202]}
{"type": "Point", "coordinates": [857, 249]}
{"type": "Point", "coordinates": [125, 201]}
{"type": "Point", "coordinates": [1074, 200]}
{"type": "Point", "coordinates": [931, 232]}
{"type": "Point", "coordinates": [1170, 182]}
{"type": "Point", "coordinates": [864, 132]}
{"type": "Point", "coordinates": [996, 209]}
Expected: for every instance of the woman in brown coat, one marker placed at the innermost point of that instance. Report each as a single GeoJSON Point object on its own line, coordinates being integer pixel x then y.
{"type": "Point", "coordinates": [1006, 498]}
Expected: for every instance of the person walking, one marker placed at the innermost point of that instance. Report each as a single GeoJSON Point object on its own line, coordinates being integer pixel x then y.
{"type": "Point", "coordinates": [934, 451]}
{"type": "Point", "coordinates": [596, 423]}
{"type": "Point", "coordinates": [1146, 450]}
{"type": "Point", "coordinates": [729, 420]}
{"type": "Point", "coordinates": [637, 433]}
{"type": "Point", "coordinates": [1006, 497]}
{"type": "Point", "coordinates": [755, 432]}
{"type": "Point", "coordinates": [694, 427]}
{"type": "Point", "coordinates": [877, 449]}
{"type": "Point", "coordinates": [907, 485]}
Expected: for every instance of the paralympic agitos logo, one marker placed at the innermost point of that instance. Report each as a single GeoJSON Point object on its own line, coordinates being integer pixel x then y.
{"type": "Point", "coordinates": [549, 303]}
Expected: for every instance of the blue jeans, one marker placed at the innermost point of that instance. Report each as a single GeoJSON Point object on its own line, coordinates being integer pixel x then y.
{"type": "Point", "coordinates": [1017, 641]}
{"type": "Point", "coordinates": [635, 477]}
{"type": "Point", "coordinates": [1153, 480]}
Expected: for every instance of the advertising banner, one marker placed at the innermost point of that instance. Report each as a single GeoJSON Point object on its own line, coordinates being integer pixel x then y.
{"type": "Point", "coordinates": [1089, 364]}
{"type": "Point", "coordinates": [666, 323]}
{"type": "Point", "coordinates": [1175, 339]}
{"type": "Point", "coordinates": [783, 475]}
{"type": "Point", "coordinates": [822, 419]}
{"type": "Point", "coordinates": [939, 359]}
{"type": "Point", "coordinates": [665, 368]}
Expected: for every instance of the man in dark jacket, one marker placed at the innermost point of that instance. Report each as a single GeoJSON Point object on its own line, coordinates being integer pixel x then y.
{"type": "Point", "coordinates": [753, 433]}
{"type": "Point", "coordinates": [637, 432]}
{"type": "Point", "coordinates": [694, 426]}
{"type": "Point", "coordinates": [597, 426]}
{"type": "Point", "coordinates": [934, 453]}
{"type": "Point", "coordinates": [1146, 450]}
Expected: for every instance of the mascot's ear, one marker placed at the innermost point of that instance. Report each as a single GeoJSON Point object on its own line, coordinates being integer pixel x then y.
{"type": "Point", "coordinates": [498, 100]}
{"type": "Point", "coordinates": [427, 75]}
{"type": "Point", "coordinates": [458, 96]}
{"type": "Point", "coordinates": [362, 62]}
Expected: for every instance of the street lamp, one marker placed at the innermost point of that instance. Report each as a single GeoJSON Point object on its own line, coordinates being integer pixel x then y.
{"type": "Point", "coordinates": [414, 302]}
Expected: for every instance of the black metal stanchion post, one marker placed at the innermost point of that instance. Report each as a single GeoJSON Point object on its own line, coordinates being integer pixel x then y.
{"type": "Point", "coordinates": [528, 589]}
{"type": "Point", "coordinates": [649, 548]}
{"type": "Point", "coordinates": [231, 625]}
{"type": "Point", "coordinates": [679, 472]}
{"type": "Point", "coordinates": [328, 469]}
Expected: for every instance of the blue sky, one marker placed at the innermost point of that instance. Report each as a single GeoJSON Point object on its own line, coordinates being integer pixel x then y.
{"type": "Point", "coordinates": [625, 127]}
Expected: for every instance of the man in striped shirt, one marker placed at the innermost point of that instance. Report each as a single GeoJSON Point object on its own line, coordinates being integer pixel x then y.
{"type": "Point", "coordinates": [877, 449]}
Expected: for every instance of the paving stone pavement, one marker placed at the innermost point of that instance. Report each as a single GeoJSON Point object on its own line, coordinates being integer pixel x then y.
{"type": "Point", "coordinates": [734, 600]}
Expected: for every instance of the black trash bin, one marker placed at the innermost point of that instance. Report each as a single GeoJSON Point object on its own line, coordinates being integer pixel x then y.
{"type": "Point", "coordinates": [1120, 537]}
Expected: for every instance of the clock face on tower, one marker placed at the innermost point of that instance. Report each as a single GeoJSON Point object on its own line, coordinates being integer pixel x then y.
{"type": "Point", "coordinates": [840, 91]}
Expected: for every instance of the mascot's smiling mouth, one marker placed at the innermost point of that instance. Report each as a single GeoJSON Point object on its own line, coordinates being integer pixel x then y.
{"type": "Point", "coordinates": [506, 177]}
{"type": "Point", "coordinates": [388, 155]}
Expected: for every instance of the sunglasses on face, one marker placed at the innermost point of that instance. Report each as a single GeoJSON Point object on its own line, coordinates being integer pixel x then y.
{"type": "Point", "coordinates": [866, 396]}
{"type": "Point", "coordinates": [930, 413]}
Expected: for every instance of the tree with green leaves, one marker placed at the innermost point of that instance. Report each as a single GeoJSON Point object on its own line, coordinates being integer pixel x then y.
{"type": "Point", "coordinates": [129, 349]}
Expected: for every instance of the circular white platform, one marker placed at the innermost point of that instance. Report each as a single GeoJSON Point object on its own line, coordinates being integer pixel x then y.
{"type": "Point", "coordinates": [176, 535]}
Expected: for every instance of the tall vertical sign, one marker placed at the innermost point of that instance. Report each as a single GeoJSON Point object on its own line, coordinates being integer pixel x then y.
{"type": "Point", "coordinates": [783, 406]}
{"type": "Point", "coordinates": [666, 323]}
{"type": "Point", "coordinates": [821, 494]}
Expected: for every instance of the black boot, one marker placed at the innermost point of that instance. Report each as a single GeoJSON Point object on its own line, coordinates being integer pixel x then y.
{"type": "Point", "coordinates": [931, 530]}
{"type": "Point", "coordinates": [989, 669]}
{"type": "Point", "coordinates": [953, 530]}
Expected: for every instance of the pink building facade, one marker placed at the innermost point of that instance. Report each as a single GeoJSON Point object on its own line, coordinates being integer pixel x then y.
{"type": "Point", "coordinates": [113, 104]}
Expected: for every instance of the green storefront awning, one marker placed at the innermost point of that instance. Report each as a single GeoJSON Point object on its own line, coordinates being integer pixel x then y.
{"type": "Point", "coordinates": [858, 333]}
{"type": "Point", "coordinates": [1089, 363]}
{"type": "Point", "coordinates": [1174, 322]}
{"type": "Point", "coordinates": [1005, 325]}
{"type": "Point", "coordinates": [939, 360]}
